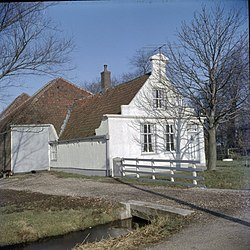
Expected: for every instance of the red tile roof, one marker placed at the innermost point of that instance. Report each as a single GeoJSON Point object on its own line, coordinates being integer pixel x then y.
{"type": "Point", "coordinates": [87, 113]}
{"type": "Point", "coordinates": [15, 104]}
{"type": "Point", "coordinates": [48, 106]}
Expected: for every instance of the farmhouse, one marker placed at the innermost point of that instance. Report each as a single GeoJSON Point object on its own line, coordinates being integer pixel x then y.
{"type": "Point", "coordinates": [63, 127]}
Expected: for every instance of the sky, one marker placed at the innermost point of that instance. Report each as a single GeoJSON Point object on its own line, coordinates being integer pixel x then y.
{"type": "Point", "coordinates": [110, 32]}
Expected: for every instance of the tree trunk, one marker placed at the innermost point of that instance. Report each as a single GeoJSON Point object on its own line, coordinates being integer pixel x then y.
{"type": "Point", "coordinates": [212, 150]}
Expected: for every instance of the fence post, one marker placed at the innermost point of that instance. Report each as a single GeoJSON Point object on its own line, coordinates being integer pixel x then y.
{"type": "Point", "coordinates": [171, 172]}
{"type": "Point", "coordinates": [194, 174]}
{"type": "Point", "coordinates": [153, 169]}
{"type": "Point", "coordinates": [137, 168]}
{"type": "Point", "coordinates": [117, 167]}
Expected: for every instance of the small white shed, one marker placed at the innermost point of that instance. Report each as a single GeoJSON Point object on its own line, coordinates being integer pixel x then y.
{"type": "Point", "coordinates": [30, 150]}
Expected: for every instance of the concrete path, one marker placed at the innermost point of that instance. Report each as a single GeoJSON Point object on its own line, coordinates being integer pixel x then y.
{"type": "Point", "coordinates": [219, 234]}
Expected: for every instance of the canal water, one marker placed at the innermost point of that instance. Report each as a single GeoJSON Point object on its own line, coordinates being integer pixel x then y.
{"type": "Point", "coordinates": [68, 241]}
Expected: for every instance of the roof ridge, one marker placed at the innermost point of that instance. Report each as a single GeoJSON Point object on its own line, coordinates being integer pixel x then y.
{"type": "Point", "coordinates": [52, 82]}
{"type": "Point", "coordinates": [41, 90]}
{"type": "Point", "coordinates": [71, 83]}
{"type": "Point", "coordinates": [16, 108]}
{"type": "Point", "coordinates": [13, 102]}
{"type": "Point", "coordinates": [129, 81]}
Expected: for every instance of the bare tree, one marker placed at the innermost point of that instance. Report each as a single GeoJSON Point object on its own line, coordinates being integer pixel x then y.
{"type": "Point", "coordinates": [237, 90]}
{"type": "Point", "coordinates": [140, 61]}
{"type": "Point", "coordinates": [200, 70]}
{"type": "Point", "coordinates": [95, 87]}
{"type": "Point", "coordinates": [29, 43]}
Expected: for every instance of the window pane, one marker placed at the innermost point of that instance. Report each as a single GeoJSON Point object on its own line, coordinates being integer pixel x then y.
{"type": "Point", "coordinates": [171, 128]}
{"type": "Point", "coordinates": [172, 138]}
{"type": "Point", "coordinates": [149, 139]}
{"type": "Point", "coordinates": [149, 129]}
{"type": "Point", "coordinates": [160, 104]}
{"type": "Point", "coordinates": [167, 129]}
{"type": "Point", "coordinates": [167, 137]}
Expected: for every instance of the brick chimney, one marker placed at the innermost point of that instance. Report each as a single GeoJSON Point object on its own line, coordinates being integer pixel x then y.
{"type": "Point", "coordinates": [105, 79]}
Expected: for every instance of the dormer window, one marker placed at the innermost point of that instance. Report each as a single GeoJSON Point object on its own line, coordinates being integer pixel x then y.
{"type": "Point", "coordinates": [158, 98]}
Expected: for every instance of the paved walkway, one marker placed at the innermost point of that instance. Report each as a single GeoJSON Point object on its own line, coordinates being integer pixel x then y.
{"type": "Point", "coordinates": [219, 234]}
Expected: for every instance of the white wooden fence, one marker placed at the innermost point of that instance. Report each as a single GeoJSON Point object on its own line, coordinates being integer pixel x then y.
{"type": "Point", "coordinates": [159, 170]}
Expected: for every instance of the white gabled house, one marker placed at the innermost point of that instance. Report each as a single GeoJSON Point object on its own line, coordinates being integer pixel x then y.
{"type": "Point", "coordinates": [142, 118]}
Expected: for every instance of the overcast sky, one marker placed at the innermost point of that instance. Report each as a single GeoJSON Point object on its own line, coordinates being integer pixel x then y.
{"type": "Point", "coordinates": [110, 32]}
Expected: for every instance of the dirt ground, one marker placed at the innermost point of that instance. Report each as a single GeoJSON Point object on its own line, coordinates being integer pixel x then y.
{"type": "Point", "coordinates": [211, 206]}
{"type": "Point", "coordinates": [30, 200]}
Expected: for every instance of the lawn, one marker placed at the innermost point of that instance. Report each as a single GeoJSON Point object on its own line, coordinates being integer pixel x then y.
{"type": "Point", "coordinates": [228, 175]}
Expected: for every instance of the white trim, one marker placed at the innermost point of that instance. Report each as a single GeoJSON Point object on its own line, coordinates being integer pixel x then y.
{"type": "Point", "coordinates": [32, 125]}
{"type": "Point", "coordinates": [146, 117]}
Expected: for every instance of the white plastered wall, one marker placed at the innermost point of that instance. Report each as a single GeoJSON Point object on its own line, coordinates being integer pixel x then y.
{"type": "Point", "coordinates": [86, 156]}
{"type": "Point", "coordinates": [125, 141]}
{"type": "Point", "coordinates": [30, 147]}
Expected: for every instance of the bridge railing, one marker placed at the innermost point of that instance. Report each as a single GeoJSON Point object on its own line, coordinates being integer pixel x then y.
{"type": "Point", "coordinates": [169, 171]}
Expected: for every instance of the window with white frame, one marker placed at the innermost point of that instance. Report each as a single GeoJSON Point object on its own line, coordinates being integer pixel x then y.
{"type": "Point", "coordinates": [148, 137]}
{"type": "Point", "coordinates": [169, 137]}
{"type": "Point", "coordinates": [158, 98]}
{"type": "Point", "coordinates": [53, 152]}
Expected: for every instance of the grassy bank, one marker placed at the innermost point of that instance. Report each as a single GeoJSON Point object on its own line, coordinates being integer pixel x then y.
{"type": "Point", "coordinates": [159, 229]}
{"type": "Point", "coordinates": [30, 216]}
